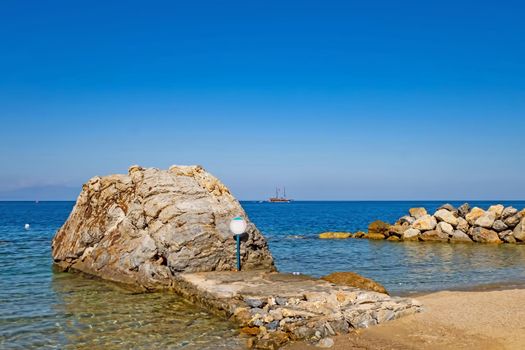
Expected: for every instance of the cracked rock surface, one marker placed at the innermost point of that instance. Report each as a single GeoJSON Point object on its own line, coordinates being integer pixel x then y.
{"type": "Point", "coordinates": [147, 226]}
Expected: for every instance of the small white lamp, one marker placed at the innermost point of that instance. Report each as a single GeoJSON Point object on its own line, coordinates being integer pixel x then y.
{"type": "Point", "coordinates": [238, 227]}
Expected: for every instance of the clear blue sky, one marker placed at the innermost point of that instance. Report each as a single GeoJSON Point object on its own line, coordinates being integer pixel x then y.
{"type": "Point", "coordinates": [334, 99]}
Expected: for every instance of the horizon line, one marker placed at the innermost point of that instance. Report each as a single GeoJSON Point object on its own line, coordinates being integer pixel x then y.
{"type": "Point", "coordinates": [308, 200]}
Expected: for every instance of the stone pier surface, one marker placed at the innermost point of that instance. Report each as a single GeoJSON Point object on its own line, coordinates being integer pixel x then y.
{"type": "Point", "coordinates": [275, 308]}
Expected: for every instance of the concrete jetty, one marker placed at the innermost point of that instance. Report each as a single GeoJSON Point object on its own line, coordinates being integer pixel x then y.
{"type": "Point", "coordinates": [275, 308]}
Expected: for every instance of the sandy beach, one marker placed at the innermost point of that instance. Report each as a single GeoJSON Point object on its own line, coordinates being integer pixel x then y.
{"type": "Point", "coordinates": [451, 320]}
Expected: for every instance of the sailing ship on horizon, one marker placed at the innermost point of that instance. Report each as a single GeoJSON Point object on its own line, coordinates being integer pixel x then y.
{"type": "Point", "coordinates": [278, 198]}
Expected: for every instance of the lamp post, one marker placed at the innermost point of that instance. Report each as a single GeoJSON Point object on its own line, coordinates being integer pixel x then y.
{"type": "Point", "coordinates": [238, 227]}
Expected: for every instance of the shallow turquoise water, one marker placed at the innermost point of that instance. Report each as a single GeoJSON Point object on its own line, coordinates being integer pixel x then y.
{"type": "Point", "coordinates": [41, 309]}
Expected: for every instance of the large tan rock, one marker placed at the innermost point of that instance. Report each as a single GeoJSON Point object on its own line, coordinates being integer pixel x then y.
{"type": "Point", "coordinates": [505, 233]}
{"type": "Point", "coordinates": [417, 212]}
{"type": "Point", "coordinates": [499, 226]}
{"type": "Point", "coordinates": [379, 227]}
{"type": "Point", "coordinates": [398, 229]}
{"type": "Point", "coordinates": [411, 234]}
{"type": "Point", "coordinates": [508, 212]}
{"type": "Point", "coordinates": [434, 236]}
{"type": "Point", "coordinates": [449, 207]}
{"type": "Point", "coordinates": [497, 210]}
{"type": "Point", "coordinates": [512, 221]}
{"type": "Point", "coordinates": [335, 235]}
{"type": "Point", "coordinates": [519, 230]}
{"type": "Point", "coordinates": [425, 223]}
{"type": "Point", "coordinates": [445, 228]}
{"type": "Point", "coordinates": [375, 236]}
{"type": "Point", "coordinates": [145, 227]}
{"type": "Point", "coordinates": [483, 235]}
{"type": "Point", "coordinates": [486, 220]}
{"type": "Point", "coordinates": [406, 219]}
{"type": "Point", "coordinates": [462, 225]}
{"type": "Point", "coordinates": [353, 279]}
{"type": "Point", "coordinates": [359, 234]}
{"type": "Point", "coordinates": [464, 209]}
{"type": "Point", "coordinates": [446, 216]}
{"type": "Point", "coordinates": [459, 237]}
{"type": "Point", "coordinates": [474, 214]}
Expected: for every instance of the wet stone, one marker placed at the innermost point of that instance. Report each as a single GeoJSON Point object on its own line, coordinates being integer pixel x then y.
{"type": "Point", "coordinates": [272, 325]}
{"type": "Point", "coordinates": [255, 303]}
{"type": "Point", "coordinates": [281, 301]}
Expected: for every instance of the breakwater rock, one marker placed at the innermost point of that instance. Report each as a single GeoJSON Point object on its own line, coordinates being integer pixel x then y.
{"type": "Point", "coordinates": [353, 279]}
{"type": "Point", "coordinates": [144, 227]}
{"type": "Point", "coordinates": [497, 224]}
{"type": "Point", "coordinates": [335, 235]}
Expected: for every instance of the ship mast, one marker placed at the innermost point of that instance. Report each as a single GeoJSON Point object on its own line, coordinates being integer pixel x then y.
{"type": "Point", "coordinates": [280, 196]}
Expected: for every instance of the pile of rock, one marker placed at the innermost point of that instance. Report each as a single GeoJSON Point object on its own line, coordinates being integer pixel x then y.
{"type": "Point", "coordinates": [498, 224]}
{"type": "Point", "coordinates": [353, 279]}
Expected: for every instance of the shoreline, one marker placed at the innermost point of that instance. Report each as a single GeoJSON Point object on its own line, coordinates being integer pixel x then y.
{"type": "Point", "coordinates": [483, 287]}
{"type": "Point", "coordinates": [482, 319]}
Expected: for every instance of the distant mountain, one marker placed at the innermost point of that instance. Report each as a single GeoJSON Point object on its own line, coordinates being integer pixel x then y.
{"type": "Point", "coordinates": [41, 193]}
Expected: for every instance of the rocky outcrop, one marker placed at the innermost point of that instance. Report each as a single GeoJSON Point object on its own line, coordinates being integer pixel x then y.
{"type": "Point", "coordinates": [147, 226]}
{"type": "Point", "coordinates": [353, 279]}
{"type": "Point", "coordinates": [335, 235]}
{"type": "Point", "coordinates": [359, 234]}
{"type": "Point", "coordinates": [378, 228]}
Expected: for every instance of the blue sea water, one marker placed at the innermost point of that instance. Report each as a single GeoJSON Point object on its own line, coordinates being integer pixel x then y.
{"type": "Point", "coordinates": [43, 309]}
{"type": "Point", "coordinates": [292, 231]}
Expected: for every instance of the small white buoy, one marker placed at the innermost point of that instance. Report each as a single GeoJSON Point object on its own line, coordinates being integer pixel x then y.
{"type": "Point", "coordinates": [26, 226]}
